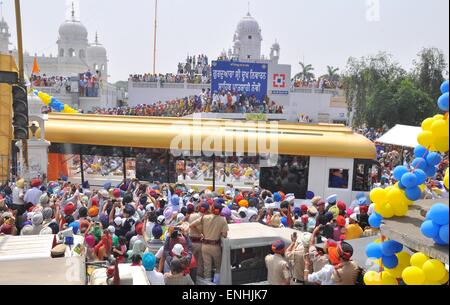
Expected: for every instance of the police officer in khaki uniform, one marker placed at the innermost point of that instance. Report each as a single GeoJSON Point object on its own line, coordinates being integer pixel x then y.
{"type": "Point", "coordinates": [195, 234]}
{"type": "Point", "coordinates": [295, 254]}
{"type": "Point", "coordinates": [347, 271]}
{"type": "Point", "coordinates": [277, 265]}
{"type": "Point", "coordinates": [212, 227]}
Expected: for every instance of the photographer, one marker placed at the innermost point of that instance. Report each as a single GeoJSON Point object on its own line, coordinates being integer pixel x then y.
{"type": "Point", "coordinates": [176, 236]}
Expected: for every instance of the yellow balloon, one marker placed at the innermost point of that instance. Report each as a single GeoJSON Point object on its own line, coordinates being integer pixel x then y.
{"type": "Point", "coordinates": [384, 210]}
{"type": "Point", "coordinates": [434, 270]}
{"type": "Point", "coordinates": [45, 98]}
{"type": "Point", "coordinates": [400, 208]}
{"type": "Point", "coordinates": [378, 195]}
{"type": "Point", "coordinates": [422, 187]}
{"type": "Point", "coordinates": [441, 143]}
{"type": "Point", "coordinates": [425, 138]}
{"type": "Point", "coordinates": [404, 258]}
{"type": "Point", "coordinates": [439, 117]}
{"type": "Point", "coordinates": [397, 271]}
{"type": "Point", "coordinates": [413, 276]}
{"type": "Point", "coordinates": [431, 283]}
{"type": "Point", "coordinates": [418, 259]}
{"type": "Point", "coordinates": [409, 202]}
{"type": "Point", "coordinates": [444, 279]}
{"type": "Point", "coordinates": [388, 279]}
{"type": "Point", "coordinates": [427, 123]}
{"type": "Point", "coordinates": [372, 278]}
{"type": "Point", "coordinates": [446, 179]}
{"type": "Point", "coordinates": [439, 128]}
{"type": "Point", "coordinates": [395, 195]}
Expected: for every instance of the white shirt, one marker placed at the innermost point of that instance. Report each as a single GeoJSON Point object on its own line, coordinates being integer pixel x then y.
{"type": "Point", "coordinates": [155, 277]}
{"type": "Point", "coordinates": [16, 194]}
{"type": "Point", "coordinates": [32, 195]}
{"type": "Point", "coordinates": [323, 275]}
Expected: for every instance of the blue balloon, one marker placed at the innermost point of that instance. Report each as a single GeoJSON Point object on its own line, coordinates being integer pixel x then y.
{"type": "Point", "coordinates": [439, 241]}
{"type": "Point", "coordinates": [375, 220]}
{"type": "Point", "coordinates": [420, 175]}
{"type": "Point", "coordinates": [420, 152]}
{"type": "Point", "coordinates": [390, 247]}
{"type": "Point", "coordinates": [401, 186]}
{"type": "Point", "coordinates": [413, 193]}
{"type": "Point", "coordinates": [429, 229]}
{"type": "Point", "coordinates": [409, 180]}
{"type": "Point", "coordinates": [433, 159]}
{"type": "Point", "coordinates": [373, 250]}
{"type": "Point", "coordinates": [444, 87]}
{"type": "Point", "coordinates": [389, 261]}
{"type": "Point", "coordinates": [399, 171]}
{"type": "Point", "coordinates": [427, 216]}
{"type": "Point", "coordinates": [439, 214]}
{"type": "Point", "coordinates": [430, 171]}
{"type": "Point", "coordinates": [419, 163]}
{"type": "Point", "coordinates": [443, 102]}
{"type": "Point", "coordinates": [443, 233]}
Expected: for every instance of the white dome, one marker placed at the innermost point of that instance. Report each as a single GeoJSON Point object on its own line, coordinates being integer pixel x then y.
{"type": "Point", "coordinates": [248, 24]}
{"type": "Point", "coordinates": [73, 30]}
{"type": "Point", "coordinates": [96, 50]}
{"type": "Point", "coordinates": [276, 45]}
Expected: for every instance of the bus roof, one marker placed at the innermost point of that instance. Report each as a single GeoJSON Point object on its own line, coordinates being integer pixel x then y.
{"type": "Point", "coordinates": [325, 140]}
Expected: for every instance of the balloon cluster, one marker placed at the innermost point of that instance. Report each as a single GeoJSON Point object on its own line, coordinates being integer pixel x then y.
{"type": "Point", "coordinates": [435, 130]}
{"type": "Point", "coordinates": [435, 225]}
{"type": "Point", "coordinates": [53, 103]}
{"type": "Point", "coordinates": [424, 271]}
{"type": "Point", "coordinates": [386, 251]}
{"type": "Point", "coordinates": [389, 202]}
{"type": "Point", "coordinates": [389, 276]}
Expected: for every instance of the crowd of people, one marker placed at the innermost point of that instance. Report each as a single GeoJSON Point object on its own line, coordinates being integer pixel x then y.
{"type": "Point", "coordinates": [195, 70]}
{"type": "Point", "coordinates": [175, 232]}
{"type": "Point", "coordinates": [224, 102]}
{"type": "Point", "coordinates": [391, 156]}
{"type": "Point", "coordinates": [88, 84]}
{"type": "Point", "coordinates": [320, 83]}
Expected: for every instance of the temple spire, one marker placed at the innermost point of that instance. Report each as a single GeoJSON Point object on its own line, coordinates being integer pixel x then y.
{"type": "Point", "coordinates": [73, 11]}
{"type": "Point", "coordinates": [96, 37]}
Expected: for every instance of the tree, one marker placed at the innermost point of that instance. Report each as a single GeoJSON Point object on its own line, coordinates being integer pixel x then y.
{"type": "Point", "coordinates": [306, 73]}
{"type": "Point", "coordinates": [332, 75]}
{"type": "Point", "coordinates": [429, 70]}
{"type": "Point", "coordinates": [363, 79]}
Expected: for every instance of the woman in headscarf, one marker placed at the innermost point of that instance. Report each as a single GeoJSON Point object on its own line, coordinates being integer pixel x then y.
{"type": "Point", "coordinates": [137, 250]}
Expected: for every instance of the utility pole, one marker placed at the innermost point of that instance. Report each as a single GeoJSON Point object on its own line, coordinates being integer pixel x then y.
{"type": "Point", "coordinates": [154, 37]}
{"type": "Point", "coordinates": [21, 79]}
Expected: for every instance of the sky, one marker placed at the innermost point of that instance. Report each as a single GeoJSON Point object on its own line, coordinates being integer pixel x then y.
{"type": "Point", "coordinates": [318, 32]}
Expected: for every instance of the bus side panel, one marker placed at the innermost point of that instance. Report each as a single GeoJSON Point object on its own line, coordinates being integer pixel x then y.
{"type": "Point", "coordinates": [344, 194]}
{"type": "Point", "coordinates": [317, 180]}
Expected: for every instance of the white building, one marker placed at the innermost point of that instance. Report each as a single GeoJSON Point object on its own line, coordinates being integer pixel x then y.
{"type": "Point", "coordinates": [75, 54]}
{"type": "Point", "coordinates": [319, 105]}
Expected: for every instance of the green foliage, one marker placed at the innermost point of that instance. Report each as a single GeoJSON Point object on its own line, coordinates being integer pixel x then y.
{"type": "Point", "coordinates": [306, 73]}
{"type": "Point", "coordinates": [380, 92]}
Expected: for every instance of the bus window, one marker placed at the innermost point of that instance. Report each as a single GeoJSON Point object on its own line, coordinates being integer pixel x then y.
{"type": "Point", "coordinates": [151, 165]}
{"type": "Point", "coordinates": [338, 178]}
{"type": "Point", "coordinates": [289, 176]}
{"type": "Point", "coordinates": [198, 171]}
{"type": "Point", "coordinates": [239, 171]}
{"type": "Point", "coordinates": [364, 175]}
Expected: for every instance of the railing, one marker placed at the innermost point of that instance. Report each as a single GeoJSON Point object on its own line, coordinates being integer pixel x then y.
{"type": "Point", "coordinates": [185, 85]}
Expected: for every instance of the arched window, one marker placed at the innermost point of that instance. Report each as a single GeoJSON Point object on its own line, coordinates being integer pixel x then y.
{"type": "Point", "coordinates": [71, 52]}
{"type": "Point", "coordinates": [82, 54]}
{"type": "Point", "coordinates": [61, 53]}
{"type": "Point", "coordinates": [103, 67]}
{"type": "Point", "coordinates": [3, 30]}
{"type": "Point", "coordinates": [95, 67]}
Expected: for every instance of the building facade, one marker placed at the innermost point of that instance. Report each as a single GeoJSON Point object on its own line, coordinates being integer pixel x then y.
{"type": "Point", "coordinates": [75, 54]}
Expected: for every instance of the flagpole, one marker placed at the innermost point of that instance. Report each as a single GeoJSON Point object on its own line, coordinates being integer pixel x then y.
{"type": "Point", "coordinates": [154, 37]}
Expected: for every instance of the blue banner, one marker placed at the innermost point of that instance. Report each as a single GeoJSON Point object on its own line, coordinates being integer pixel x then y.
{"type": "Point", "coordinates": [238, 77]}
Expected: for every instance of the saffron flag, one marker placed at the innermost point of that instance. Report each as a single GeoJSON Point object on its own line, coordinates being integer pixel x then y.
{"type": "Point", "coordinates": [35, 66]}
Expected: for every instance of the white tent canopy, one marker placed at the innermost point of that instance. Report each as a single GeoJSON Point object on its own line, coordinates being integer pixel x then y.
{"type": "Point", "coordinates": [401, 135]}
